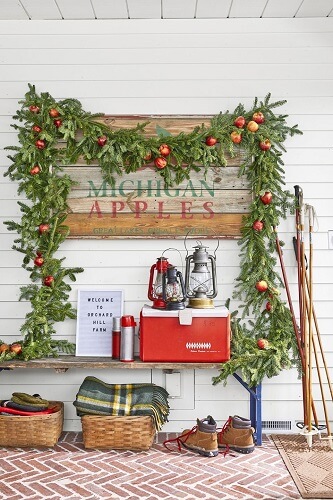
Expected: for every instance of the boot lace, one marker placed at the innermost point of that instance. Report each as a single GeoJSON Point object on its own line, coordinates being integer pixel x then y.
{"type": "Point", "coordinates": [180, 439]}
{"type": "Point", "coordinates": [224, 429]}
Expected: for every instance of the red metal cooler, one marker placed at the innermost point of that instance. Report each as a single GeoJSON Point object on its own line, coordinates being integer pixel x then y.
{"type": "Point", "coordinates": [189, 335]}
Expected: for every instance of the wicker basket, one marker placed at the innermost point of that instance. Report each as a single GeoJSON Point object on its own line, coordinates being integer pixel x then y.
{"type": "Point", "coordinates": [119, 433]}
{"type": "Point", "coordinates": [32, 430]}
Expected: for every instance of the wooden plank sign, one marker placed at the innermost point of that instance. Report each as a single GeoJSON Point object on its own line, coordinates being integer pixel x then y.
{"type": "Point", "coordinates": [139, 205]}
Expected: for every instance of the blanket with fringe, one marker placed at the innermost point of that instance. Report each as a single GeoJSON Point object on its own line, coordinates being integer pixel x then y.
{"type": "Point", "coordinates": [96, 397]}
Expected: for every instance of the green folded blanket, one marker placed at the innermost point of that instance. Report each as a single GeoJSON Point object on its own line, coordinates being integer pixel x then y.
{"type": "Point", "coordinates": [35, 401]}
{"type": "Point", "coordinates": [96, 397]}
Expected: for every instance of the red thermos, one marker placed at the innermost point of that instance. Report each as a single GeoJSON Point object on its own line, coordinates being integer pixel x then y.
{"type": "Point", "coordinates": [127, 326]}
{"type": "Point", "coordinates": [116, 338]}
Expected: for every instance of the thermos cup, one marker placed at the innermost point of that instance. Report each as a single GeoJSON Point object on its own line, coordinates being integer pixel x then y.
{"type": "Point", "coordinates": [127, 330]}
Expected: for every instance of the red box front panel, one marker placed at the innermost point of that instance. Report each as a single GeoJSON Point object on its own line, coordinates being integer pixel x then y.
{"type": "Point", "coordinates": [164, 339]}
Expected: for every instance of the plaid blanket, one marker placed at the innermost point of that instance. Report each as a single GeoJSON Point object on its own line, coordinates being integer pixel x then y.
{"type": "Point", "coordinates": [96, 397]}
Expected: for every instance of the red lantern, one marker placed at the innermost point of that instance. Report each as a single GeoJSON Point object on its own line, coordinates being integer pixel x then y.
{"type": "Point", "coordinates": [155, 287]}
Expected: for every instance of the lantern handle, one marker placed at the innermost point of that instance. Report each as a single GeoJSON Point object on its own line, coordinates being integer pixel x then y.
{"type": "Point", "coordinates": [176, 249]}
{"type": "Point", "coordinates": [199, 243]}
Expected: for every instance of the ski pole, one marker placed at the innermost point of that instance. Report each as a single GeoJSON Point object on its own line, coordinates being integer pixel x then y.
{"type": "Point", "coordinates": [296, 329]}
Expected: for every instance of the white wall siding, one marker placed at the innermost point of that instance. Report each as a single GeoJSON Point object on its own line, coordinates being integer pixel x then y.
{"type": "Point", "coordinates": [173, 67]}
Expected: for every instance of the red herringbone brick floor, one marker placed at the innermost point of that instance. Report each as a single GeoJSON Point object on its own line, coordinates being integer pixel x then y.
{"type": "Point", "coordinates": [69, 471]}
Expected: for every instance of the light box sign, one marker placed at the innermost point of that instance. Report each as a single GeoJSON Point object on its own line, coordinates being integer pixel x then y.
{"type": "Point", "coordinates": [139, 205]}
{"type": "Point", "coordinates": [95, 313]}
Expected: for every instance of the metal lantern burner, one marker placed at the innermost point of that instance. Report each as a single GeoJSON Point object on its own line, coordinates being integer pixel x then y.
{"type": "Point", "coordinates": [155, 287]}
{"type": "Point", "coordinates": [174, 289]}
{"type": "Point", "coordinates": [200, 282]}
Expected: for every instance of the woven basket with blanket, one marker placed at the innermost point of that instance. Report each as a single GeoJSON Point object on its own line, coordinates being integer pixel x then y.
{"type": "Point", "coordinates": [120, 416]}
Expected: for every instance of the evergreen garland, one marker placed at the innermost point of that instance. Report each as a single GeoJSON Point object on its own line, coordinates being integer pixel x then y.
{"type": "Point", "coordinates": [56, 133]}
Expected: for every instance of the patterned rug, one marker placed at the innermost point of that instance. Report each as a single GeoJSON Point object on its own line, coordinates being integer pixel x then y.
{"type": "Point", "coordinates": [311, 469]}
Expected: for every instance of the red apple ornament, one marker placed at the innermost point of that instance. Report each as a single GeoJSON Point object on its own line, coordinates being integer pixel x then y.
{"type": "Point", "coordinates": [267, 198]}
{"type": "Point", "coordinates": [57, 123]}
{"type": "Point", "coordinates": [43, 228]}
{"type": "Point", "coordinates": [48, 280]}
{"type": "Point", "coordinates": [262, 286]}
{"type": "Point", "coordinates": [17, 348]}
{"type": "Point", "coordinates": [265, 145]}
{"type": "Point", "coordinates": [4, 348]}
{"type": "Point", "coordinates": [101, 141]}
{"type": "Point", "coordinates": [210, 140]}
{"type": "Point", "coordinates": [34, 109]}
{"type": "Point", "coordinates": [40, 144]}
{"type": "Point", "coordinates": [252, 126]}
{"type": "Point", "coordinates": [258, 225]}
{"type": "Point", "coordinates": [37, 129]}
{"type": "Point", "coordinates": [164, 150]}
{"type": "Point", "coordinates": [258, 117]}
{"type": "Point", "coordinates": [160, 162]}
{"type": "Point", "coordinates": [34, 170]}
{"type": "Point", "coordinates": [236, 137]}
{"type": "Point", "coordinates": [54, 113]}
{"type": "Point", "coordinates": [262, 343]}
{"type": "Point", "coordinates": [39, 261]}
{"type": "Point", "coordinates": [239, 122]}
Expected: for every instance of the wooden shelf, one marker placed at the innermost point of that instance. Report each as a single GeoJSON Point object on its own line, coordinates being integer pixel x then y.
{"type": "Point", "coordinates": [65, 362]}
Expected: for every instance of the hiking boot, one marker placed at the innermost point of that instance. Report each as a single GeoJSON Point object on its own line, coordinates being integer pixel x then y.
{"type": "Point", "coordinates": [237, 435]}
{"type": "Point", "coordinates": [202, 438]}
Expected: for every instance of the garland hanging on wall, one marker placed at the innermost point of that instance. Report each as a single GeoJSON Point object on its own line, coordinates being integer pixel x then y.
{"type": "Point", "coordinates": [47, 133]}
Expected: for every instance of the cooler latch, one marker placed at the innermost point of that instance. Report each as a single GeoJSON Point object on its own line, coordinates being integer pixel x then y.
{"type": "Point", "coordinates": [185, 316]}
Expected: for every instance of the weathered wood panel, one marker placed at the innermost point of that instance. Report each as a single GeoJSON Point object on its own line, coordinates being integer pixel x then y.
{"type": "Point", "coordinates": [90, 177]}
{"type": "Point", "coordinates": [148, 225]}
{"type": "Point", "coordinates": [63, 363]}
{"type": "Point", "coordinates": [132, 202]}
{"type": "Point", "coordinates": [209, 204]}
{"type": "Point", "coordinates": [171, 123]}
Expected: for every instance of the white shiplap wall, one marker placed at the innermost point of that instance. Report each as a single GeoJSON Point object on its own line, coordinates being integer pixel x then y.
{"type": "Point", "coordinates": [180, 67]}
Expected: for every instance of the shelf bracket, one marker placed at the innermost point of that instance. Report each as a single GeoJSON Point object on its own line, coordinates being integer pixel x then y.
{"type": "Point", "coordinates": [255, 407]}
